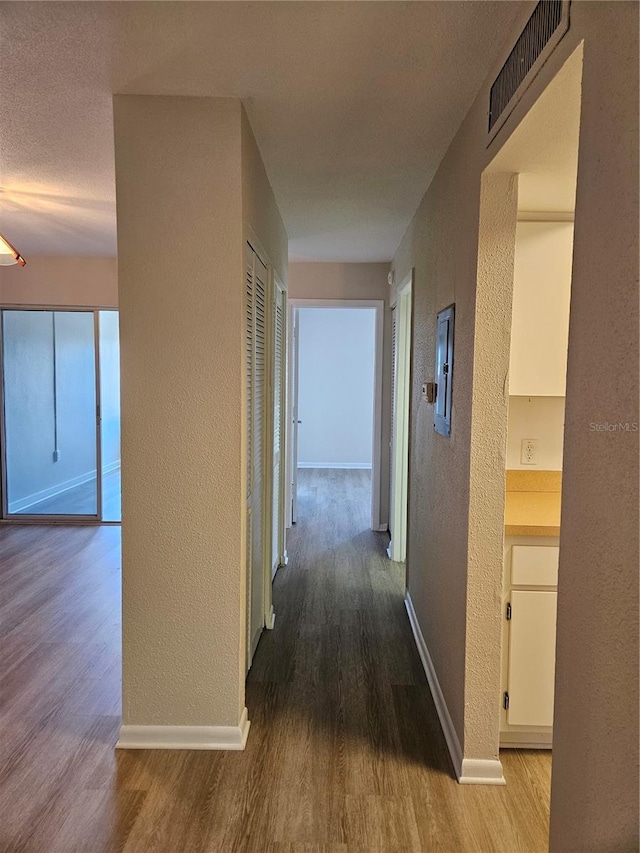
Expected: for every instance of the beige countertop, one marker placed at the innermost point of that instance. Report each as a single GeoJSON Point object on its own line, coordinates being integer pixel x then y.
{"type": "Point", "coordinates": [532, 505]}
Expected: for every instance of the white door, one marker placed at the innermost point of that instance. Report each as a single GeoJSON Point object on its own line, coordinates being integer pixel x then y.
{"type": "Point", "coordinates": [295, 422]}
{"type": "Point", "coordinates": [532, 662]}
{"type": "Point", "coordinates": [401, 332]}
{"type": "Point", "coordinates": [394, 416]}
{"type": "Point", "coordinates": [256, 395]}
{"type": "Point", "coordinates": [279, 405]}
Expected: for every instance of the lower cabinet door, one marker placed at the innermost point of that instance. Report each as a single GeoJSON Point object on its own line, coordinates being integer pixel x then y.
{"type": "Point", "coordinates": [532, 658]}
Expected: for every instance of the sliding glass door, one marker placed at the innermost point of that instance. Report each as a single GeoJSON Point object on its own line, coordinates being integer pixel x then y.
{"type": "Point", "coordinates": [109, 351]}
{"type": "Point", "coordinates": [53, 446]}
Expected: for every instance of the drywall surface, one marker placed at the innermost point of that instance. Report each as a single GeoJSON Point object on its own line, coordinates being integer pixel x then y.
{"type": "Point", "coordinates": [540, 320]}
{"type": "Point", "coordinates": [61, 281]}
{"type": "Point", "coordinates": [336, 387]}
{"type": "Point", "coordinates": [260, 213]}
{"type": "Point", "coordinates": [181, 324]}
{"type": "Point", "coordinates": [338, 281]}
{"type": "Point", "coordinates": [595, 787]}
{"type": "Point", "coordinates": [489, 408]}
{"type": "Point", "coordinates": [540, 418]}
{"type": "Point", "coordinates": [594, 795]}
{"type": "Point", "coordinates": [353, 282]}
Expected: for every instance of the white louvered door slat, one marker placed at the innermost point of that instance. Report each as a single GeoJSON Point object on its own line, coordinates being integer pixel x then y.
{"type": "Point", "coordinates": [259, 448]}
{"type": "Point", "coordinates": [249, 365]}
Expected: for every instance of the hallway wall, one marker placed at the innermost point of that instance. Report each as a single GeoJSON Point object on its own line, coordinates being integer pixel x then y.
{"type": "Point", "coordinates": [355, 281]}
{"type": "Point", "coordinates": [61, 281]}
{"type": "Point", "coordinates": [595, 775]}
{"type": "Point", "coordinates": [182, 320]}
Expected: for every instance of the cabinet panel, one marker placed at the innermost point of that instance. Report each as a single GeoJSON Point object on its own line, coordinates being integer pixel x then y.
{"type": "Point", "coordinates": [540, 316]}
{"type": "Point", "coordinates": [532, 647]}
{"type": "Point", "coordinates": [534, 565]}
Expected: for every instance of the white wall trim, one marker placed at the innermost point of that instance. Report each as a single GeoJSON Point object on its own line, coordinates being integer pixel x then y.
{"type": "Point", "coordinates": [469, 771]}
{"type": "Point", "coordinates": [364, 466]}
{"type": "Point", "coordinates": [186, 737]}
{"type": "Point", "coordinates": [111, 466]}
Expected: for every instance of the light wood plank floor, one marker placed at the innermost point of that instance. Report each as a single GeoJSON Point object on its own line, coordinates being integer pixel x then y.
{"type": "Point", "coordinates": [345, 753]}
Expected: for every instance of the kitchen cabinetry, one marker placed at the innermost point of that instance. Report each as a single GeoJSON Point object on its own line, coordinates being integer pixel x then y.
{"type": "Point", "coordinates": [529, 640]}
{"type": "Point", "coordinates": [540, 315]}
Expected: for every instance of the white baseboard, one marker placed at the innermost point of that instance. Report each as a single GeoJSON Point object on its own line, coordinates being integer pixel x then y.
{"type": "Point", "coordinates": [381, 528]}
{"type": "Point", "coordinates": [271, 621]}
{"type": "Point", "coordinates": [111, 466]}
{"type": "Point", "coordinates": [186, 737]}
{"type": "Point", "coordinates": [469, 771]}
{"type": "Point", "coordinates": [481, 771]}
{"type": "Point", "coordinates": [51, 492]}
{"type": "Point", "coordinates": [361, 466]}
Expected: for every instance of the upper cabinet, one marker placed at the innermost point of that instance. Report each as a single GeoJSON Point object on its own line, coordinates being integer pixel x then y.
{"type": "Point", "coordinates": [541, 295]}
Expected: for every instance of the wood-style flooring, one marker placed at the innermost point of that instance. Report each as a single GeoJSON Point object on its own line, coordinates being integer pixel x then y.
{"type": "Point", "coordinates": [345, 753]}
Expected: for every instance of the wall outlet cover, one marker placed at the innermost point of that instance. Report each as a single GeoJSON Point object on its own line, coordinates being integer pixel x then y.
{"type": "Point", "coordinates": [529, 451]}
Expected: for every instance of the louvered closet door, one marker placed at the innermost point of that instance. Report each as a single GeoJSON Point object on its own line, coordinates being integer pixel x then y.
{"type": "Point", "coordinates": [277, 547]}
{"type": "Point", "coordinates": [258, 438]}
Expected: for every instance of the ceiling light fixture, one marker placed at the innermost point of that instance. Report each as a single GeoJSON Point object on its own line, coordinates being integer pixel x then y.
{"type": "Point", "coordinates": [9, 254]}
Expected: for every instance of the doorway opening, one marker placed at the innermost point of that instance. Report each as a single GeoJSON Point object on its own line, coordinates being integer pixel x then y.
{"type": "Point", "coordinates": [335, 394]}
{"type": "Point", "coordinates": [528, 203]}
{"type": "Point", "coordinates": [60, 424]}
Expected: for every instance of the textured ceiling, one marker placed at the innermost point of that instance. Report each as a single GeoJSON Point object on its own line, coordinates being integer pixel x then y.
{"type": "Point", "coordinates": [353, 106]}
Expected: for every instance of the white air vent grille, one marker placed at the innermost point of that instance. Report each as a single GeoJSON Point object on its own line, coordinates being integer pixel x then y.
{"type": "Point", "coordinates": [544, 29]}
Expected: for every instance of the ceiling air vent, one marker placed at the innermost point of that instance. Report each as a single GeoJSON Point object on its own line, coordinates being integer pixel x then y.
{"type": "Point", "coordinates": [544, 29]}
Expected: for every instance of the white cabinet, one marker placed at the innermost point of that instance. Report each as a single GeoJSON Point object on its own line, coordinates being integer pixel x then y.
{"type": "Point", "coordinates": [532, 657]}
{"type": "Point", "coordinates": [540, 316]}
{"type": "Point", "coordinates": [529, 641]}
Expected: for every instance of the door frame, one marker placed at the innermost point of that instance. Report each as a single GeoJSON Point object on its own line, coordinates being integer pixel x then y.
{"type": "Point", "coordinates": [279, 289]}
{"type": "Point", "coordinates": [85, 520]}
{"type": "Point", "coordinates": [401, 411]}
{"type": "Point", "coordinates": [377, 523]}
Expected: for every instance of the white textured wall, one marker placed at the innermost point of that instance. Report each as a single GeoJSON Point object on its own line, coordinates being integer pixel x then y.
{"type": "Point", "coordinates": [336, 386]}
{"type": "Point", "coordinates": [541, 418]}
{"type": "Point", "coordinates": [489, 408]}
{"type": "Point", "coordinates": [180, 262]}
{"type": "Point", "coordinates": [595, 786]}
{"type": "Point", "coordinates": [260, 212]}
{"type": "Point", "coordinates": [594, 794]}
{"type": "Point", "coordinates": [355, 281]}
{"type": "Point", "coordinates": [60, 281]}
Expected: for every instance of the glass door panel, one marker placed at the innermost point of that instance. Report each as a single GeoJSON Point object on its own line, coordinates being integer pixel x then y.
{"type": "Point", "coordinates": [110, 414]}
{"type": "Point", "coordinates": [49, 377]}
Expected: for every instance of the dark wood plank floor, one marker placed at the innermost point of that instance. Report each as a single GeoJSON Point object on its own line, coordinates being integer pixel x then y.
{"type": "Point", "coordinates": [345, 754]}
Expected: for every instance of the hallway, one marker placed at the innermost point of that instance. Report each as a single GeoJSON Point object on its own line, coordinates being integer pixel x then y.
{"type": "Point", "coordinates": [345, 751]}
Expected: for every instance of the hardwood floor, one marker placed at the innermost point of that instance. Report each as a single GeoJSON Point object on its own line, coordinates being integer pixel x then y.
{"type": "Point", "coordinates": [345, 753]}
